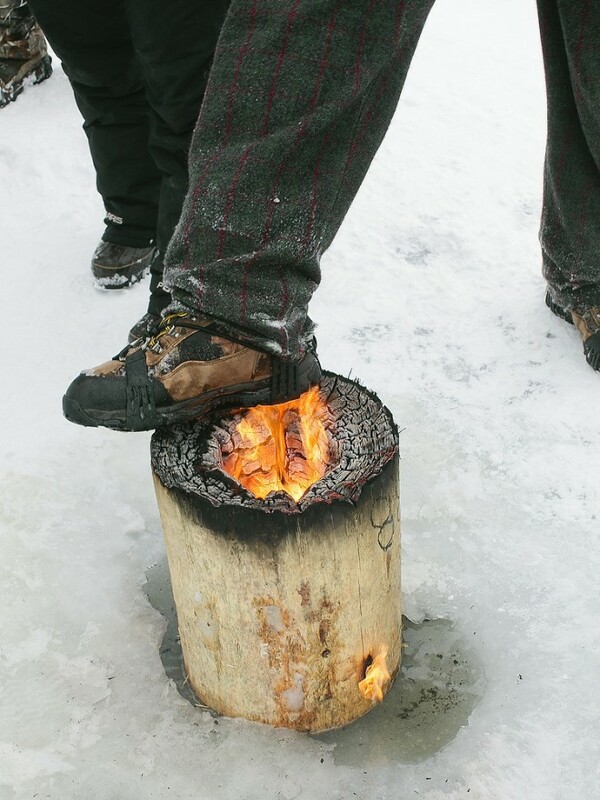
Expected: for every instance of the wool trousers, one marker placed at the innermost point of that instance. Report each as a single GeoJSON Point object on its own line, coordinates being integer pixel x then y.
{"type": "Point", "coordinates": [300, 95]}
{"type": "Point", "coordinates": [138, 69]}
{"type": "Point", "coordinates": [570, 226]}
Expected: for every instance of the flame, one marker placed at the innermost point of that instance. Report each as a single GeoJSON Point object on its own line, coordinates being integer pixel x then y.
{"type": "Point", "coordinates": [281, 448]}
{"type": "Point", "coordinates": [377, 678]}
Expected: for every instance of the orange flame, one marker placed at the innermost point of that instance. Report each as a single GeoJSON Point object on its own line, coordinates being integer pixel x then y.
{"type": "Point", "coordinates": [281, 448]}
{"type": "Point", "coordinates": [377, 678]}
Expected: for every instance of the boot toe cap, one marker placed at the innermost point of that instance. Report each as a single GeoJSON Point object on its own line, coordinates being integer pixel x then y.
{"type": "Point", "coordinates": [93, 400]}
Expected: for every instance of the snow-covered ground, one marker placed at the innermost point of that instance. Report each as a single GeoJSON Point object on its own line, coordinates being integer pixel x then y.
{"type": "Point", "coordinates": [439, 308]}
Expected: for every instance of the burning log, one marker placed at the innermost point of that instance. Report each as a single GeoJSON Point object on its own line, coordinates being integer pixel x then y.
{"type": "Point", "coordinates": [283, 540]}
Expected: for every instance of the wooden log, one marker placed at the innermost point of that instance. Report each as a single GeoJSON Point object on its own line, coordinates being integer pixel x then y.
{"type": "Point", "coordinates": [280, 613]}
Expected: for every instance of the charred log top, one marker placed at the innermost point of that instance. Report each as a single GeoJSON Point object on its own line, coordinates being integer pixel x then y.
{"type": "Point", "coordinates": [362, 432]}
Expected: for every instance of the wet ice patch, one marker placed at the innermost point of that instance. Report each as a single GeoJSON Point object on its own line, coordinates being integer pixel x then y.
{"type": "Point", "coordinates": [439, 685]}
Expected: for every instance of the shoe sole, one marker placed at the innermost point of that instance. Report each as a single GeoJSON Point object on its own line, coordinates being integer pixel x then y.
{"type": "Point", "coordinates": [244, 395]}
{"type": "Point", "coordinates": [111, 279]}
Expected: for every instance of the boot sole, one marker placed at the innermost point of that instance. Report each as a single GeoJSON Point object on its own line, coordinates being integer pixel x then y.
{"type": "Point", "coordinates": [111, 279]}
{"type": "Point", "coordinates": [245, 395]}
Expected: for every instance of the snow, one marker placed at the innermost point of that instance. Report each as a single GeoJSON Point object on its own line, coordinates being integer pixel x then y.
{"type": "Point", "coordinates": [438, 300]}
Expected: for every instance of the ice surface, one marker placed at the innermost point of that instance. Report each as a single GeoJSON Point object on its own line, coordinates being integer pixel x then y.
{"type": "Point", "coordinates": [438, 686]}
{"type": "Point", "coordinates": [432, 296]}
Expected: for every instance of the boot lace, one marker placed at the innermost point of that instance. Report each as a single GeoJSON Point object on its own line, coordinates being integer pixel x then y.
{"type": "Point", "coordinates": [167, 326]}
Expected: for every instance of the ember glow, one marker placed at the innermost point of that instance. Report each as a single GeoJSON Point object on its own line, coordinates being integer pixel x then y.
{"type": "Point", "coordinates": [376, 679]}
{"type": "Point", "coordinates": [281, 448]}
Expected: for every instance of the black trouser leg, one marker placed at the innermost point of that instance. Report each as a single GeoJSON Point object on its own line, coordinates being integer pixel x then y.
{"type": "Point", "coordinates": [570, 228]}
{"type": "Point", "coordinates": [95, 46]}
{"type": "Point", "coordinates": [139, 69]}
{"type": "Point", "coordinates": [174, 45]}
{"type": "Point", "coordinates": [117, 127]}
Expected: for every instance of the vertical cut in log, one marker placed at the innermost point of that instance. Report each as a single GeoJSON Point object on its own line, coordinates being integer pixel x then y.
{"type": "Point", "coordinates": [283, 605]}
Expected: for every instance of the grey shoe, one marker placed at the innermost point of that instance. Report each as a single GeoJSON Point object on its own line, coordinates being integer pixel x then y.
{"type": "Point", "coordinates": [116, 266]}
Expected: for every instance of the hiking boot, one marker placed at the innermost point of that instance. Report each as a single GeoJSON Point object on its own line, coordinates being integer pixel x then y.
{"type": "Point", "coordinates": [116, 266]}
{"type": "Point", "coordinates": [187, 370]}
{"type": "Point", "coordinates": [145, 327]}
{"type": "Point", "coordinates": [587, 322]}
{"type": "Point", "coordinates": [23, 55]}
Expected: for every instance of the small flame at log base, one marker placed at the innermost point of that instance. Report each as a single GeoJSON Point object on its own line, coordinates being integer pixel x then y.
{"type": "Point", "coordinates": [377, 678]}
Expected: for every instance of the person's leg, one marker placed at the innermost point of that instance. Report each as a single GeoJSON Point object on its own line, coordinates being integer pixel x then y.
{"type": "Point", "coordinates": [93, 42]}
{"type": "Point", "coordinates": [299, 98]}
{"type": "Point", "coordinates": [174, 45]}
{"type": "Point", "coordinates": [570, 226]}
